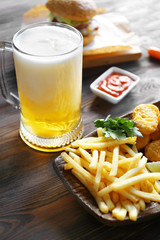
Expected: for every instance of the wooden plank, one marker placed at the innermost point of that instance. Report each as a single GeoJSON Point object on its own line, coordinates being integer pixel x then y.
{"type": "Point", "coordinates": [130, 55]}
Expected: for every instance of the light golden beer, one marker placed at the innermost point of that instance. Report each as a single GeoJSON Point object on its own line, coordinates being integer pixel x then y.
{"type": "Point", "coordinates": [49, 83]}
{"type": "Point", "coordinates": [50, 96]}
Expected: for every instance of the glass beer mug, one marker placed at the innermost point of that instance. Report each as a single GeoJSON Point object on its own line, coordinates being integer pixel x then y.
{"type": "Point", "coordinates": [48, 66]}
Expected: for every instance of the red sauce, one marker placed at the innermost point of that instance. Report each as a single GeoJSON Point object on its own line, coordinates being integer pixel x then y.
{"type": "Point", "coordinates": [115, 84]}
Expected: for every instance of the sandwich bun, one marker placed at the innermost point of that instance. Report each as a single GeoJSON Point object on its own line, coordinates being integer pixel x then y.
{"type": "Point", "coordinates": [78, 10]}
{"type": "Point", "coordinates": [77, 13]}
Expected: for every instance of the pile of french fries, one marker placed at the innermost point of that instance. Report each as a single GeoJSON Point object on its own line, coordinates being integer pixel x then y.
{"type": "Point", "coordinates": [115, 173]}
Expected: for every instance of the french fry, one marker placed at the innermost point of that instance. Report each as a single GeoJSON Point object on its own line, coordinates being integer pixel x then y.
{"type": "Point", "coordinates": [69, 149]}
{"type": "Point", "coordinates": [115, 197]}
{"type": "Point", "coordinates": [155, 191]}
{"type": "Point", "coordinates": [116, 210]}
{"type": "Point", "coordinates": [134, 171]}
{"type": "Point", "coordinates": [133, 180]}
{"type": "Point", "coordinates": [128, 149]}
{"type": "Point", "coordinates": [86, 166]}
{"type": "Point", "coordinates": [125, 162]}
{"type": "Point", "coordinates": [114, 168]}
{"type": "Point", "coordinates": [99, 132]}
{"type": "Point", "coordinates": [85, 173]}
{"type": "Point", "coordinates": [99, 169]}
{"type": "Point", "coordinates": [157, 186]}
{"type": "Point", "coordinates": [119, 212]}
{"type": "Point", "coordinates": [109, 202]}
{"type": "Point", "coordinates": [107, 165]}
{"type": "Point", "coordinates": [101, 204]}
{"type": "Point", "coordinates": [83, 140]}
{"type": "Point", "coordinates": [124, 193]}
{"type": "Point", "coordinates": [86, 155]}
{"type": "Point", "coordinates": [124, 181]}
{"type": "Point", "coordinates": [106, 177]}
{"type": "Point", "coordinates": [101, 146]}
{"type": "Point", "coordinates": [150, 187]}
{"type": "Point", "coordinates": [142, 204]}
{"type": "Point", "coordinates": [67, 166]}
{"type": "Point", "coordinates": [75, 157]}
{"type": "Point", "coordinates": [137, 206]}
{"type": "Point", "coordinates": [117, 186]}
{"type": "Point", "coordinates": [135, 161]}
{"type": "Point", "coordinates": [132, 210]}
{"type": "Point", "coordinates": [129, 196]}
{"type": "Point", "coordinates": [145, 195]}
{"type": "Point", "coordinates": [134, 148]}
{"type": "Point", "coordinates": [144, 188]}
{"type": "Point", "coordinates": [109, 154]}
{"type": "Point", "coordinates": [93, 164]}
{"type": "Point", "coordinates": [100, 139]}
{"type": "Point", "coordinates": [122, 214]}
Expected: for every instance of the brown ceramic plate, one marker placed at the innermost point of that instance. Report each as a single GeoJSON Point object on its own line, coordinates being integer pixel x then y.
{"type": "Point", "coordinates": [81, 194]}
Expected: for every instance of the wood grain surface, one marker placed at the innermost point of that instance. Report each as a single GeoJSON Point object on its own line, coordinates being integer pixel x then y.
{"type": "Point", "coordinates": [34, 204]}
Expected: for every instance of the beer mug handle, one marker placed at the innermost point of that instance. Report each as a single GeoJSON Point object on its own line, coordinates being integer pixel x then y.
{"type": "Point", "coordinates": [9, 96]}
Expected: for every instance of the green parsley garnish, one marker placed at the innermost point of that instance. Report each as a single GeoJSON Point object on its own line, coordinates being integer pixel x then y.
{"type": "Point", "coordinates": [118, 127]}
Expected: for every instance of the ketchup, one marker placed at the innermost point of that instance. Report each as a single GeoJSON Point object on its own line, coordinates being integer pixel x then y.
{"type": "Point", "coordinates": [115, 84]}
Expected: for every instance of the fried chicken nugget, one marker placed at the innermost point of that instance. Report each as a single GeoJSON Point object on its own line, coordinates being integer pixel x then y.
{"type": "Point", "coordinates": [156, 135]}
{"type": "Point", "coordinates": [152, 151]}
{"type": "Point", "coordinates": [141, 142]}
{"type": "Point", "coordinates": [146, 118]}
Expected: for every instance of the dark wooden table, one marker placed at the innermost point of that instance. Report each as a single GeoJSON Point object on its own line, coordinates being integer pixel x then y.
{"type": "Point", "coordinates": [34, 204]}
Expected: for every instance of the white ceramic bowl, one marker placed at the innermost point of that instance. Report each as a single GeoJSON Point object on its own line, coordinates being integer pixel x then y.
{"type": "Point", "coordinates": [107, 96]}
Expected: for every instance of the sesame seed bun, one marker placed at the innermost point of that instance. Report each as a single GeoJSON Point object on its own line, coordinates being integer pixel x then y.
{"type": "Point", "coordinates": [78, 10]}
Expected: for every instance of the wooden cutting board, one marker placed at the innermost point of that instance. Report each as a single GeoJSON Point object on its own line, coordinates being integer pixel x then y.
{"type": "Point", "coordinates": [109, 59]}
